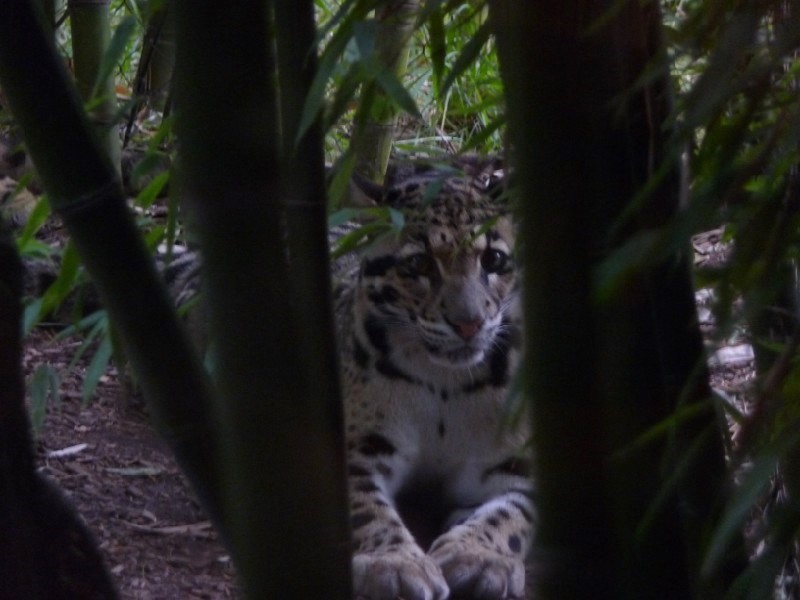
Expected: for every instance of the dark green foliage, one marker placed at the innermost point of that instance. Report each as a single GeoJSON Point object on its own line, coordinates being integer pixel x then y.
{"type": "Point", "coordinates": [618, 519]}
{"type": "Point", "coordinates": [737, 70]}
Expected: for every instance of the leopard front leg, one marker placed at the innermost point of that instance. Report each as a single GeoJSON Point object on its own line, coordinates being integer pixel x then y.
{"type": "Point", "coordinates": [387, 562]}
{"type": "Point", "coordinates": [482, 555]}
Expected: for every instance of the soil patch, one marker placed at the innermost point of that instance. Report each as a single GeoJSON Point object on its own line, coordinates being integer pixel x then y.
{"type": "Point", "coordinates": [123, 481]}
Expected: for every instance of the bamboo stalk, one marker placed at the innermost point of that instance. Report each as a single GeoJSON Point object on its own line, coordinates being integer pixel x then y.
{"type": "Point", "coordinates": [90, 21]}
{"type": "Point", "coordinates": [374, 123]}
{"type": "Point", "coordinates": [604, 367]}
{"type": "Point", "coordinates": [282, 451]}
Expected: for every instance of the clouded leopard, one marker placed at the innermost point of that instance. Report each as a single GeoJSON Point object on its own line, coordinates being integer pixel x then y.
{"type": "Point", "coordinates": [429, 333]}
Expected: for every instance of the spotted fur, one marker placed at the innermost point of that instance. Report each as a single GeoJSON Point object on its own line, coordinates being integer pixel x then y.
{"type": "Point", "coordinates": [430, 335]}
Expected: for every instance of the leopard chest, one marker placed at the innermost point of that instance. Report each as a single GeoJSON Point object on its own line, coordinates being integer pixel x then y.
{"type": "Point", "coordinates": [430, 432]}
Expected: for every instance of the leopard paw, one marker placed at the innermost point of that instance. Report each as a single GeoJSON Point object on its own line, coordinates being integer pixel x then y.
{"type": "Point", "coordinates": [478, 572]}
{"type": "Point", "coordinates": [402, 573]}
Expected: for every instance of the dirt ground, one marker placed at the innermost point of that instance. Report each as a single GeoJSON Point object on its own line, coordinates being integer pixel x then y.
{"type": "Point", "coordinates": [122, 480]}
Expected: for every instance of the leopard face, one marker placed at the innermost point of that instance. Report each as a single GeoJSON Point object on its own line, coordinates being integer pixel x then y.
{"type": "Point", "coordinates": [443, 291]}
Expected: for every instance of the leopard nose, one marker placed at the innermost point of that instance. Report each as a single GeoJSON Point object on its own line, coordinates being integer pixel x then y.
{"type": "Point", "coordinates": [466, 329]}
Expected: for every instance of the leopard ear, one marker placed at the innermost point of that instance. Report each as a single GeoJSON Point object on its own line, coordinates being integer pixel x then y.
{"type": "Point", "coordinates": [480, 166]}
{"type": "Point", "coordinates": [499, 184]}
{"type": "Point", "coordinates": [494, 175]}
{"type": "Point", "coordinates": [364, 192]}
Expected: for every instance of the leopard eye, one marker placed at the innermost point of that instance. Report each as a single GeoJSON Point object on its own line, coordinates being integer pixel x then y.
{"type": "Point", "coordinates": [494, 260]}
{"type": "Point", "coordinates": [419, 264]}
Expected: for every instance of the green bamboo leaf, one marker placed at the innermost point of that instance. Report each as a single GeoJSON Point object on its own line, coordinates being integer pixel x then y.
{"type": "Point", "coordinates": [468, 55]}
{"type": "Point", "coordinates": [114, 53]}
{"type": "Point", "coordinates": [661, 430]}
{"type": "Point", "coordinates": [376, 213]}
{"type": "Point", "coordinates": [162, 134]}
{"type": "Point", "coordinates": [671, 485]}
{"type": "Point", "coordinates": [151, 191]}
{"type": "Point", "coordinates": [339, 185]}
{"type": "Point", "coordinates": [172, 222]}
{"type": "Point", "coordinates": [490, 102]}
{"type": "Point", "coordinates": [155, 236]}
{"type": "Point", "coordinates": [211, 360]}
{"type": "Point", "coordinates": [358, 238]}
{"type": "Point", "coordinates": [100, 328]}
{"type": "Point", "coordinates": [364, 34]}
{"type": "Point", "coordinates": [35, 221]}
{"type": "Point", "coordinates": [398, 94]}
{"type": "Point", "coordinates": [341, 16]}
{"type": "Point", "coordinates": [615, 271]}
{"type": "Point", "coordinates": [64, 283]}
{"type": "Point", "coordinates": [150, 162]}
{"type": "Point", "coordinates": [44, 388]}
{"type": "Point", "coordinates": [758, 579]}
{"type": "Point", "coordinates": [86, 323]}
{"type": "Point", "coordinates": [479, 139]}
{"type": "Point", "coordinates": [188, 305]}
{"type": "Point", "coordinates": [133, 7]}
{"type": "Point", "coordinates": [483, 228]}
{"type": "Point", "coordinates": [342, 216]}
{"type": "Point", "coordinates": [344, 94]}
{"type": "Point", "coordinates": [438, 44]}
{"type": "Point", "coordinates": [397, 219]}
{"type": "Point", "coordinates": [739, 509]}
{"type": "Point", "coordinates": [37, 248]}
{"type": "Point", "coordinates": [717, 83]}
{"type": "Point", "coordinates": [30, 316]}
{"type": "Point", "coordinates": [751, 487]}
{"type": "Point", "coordinates": [328, 63]}
{"type": "Point", "coordinates": [432, 6]}
{"type": "Point", "coordinates": [96, 368]}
